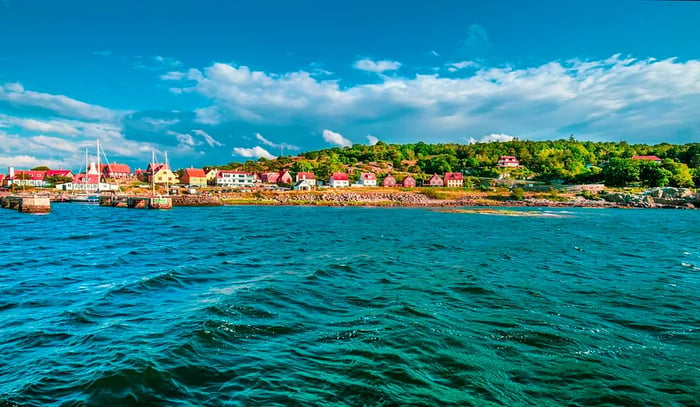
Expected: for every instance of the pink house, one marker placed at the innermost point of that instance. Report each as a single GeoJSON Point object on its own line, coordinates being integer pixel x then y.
{"type": "Point", "coordinates": [268, 177]}
{"type": "Point", "coordinates": [647, 158]}
{"type": "Point", "coordinates": [284, 177]}
{"type": "Point", "coordinates": [435, 181]}
{"type": "Point", "coordinates": [367, 179]}
{"type": "Point", "coordinates": [389, 181]}
{"type": "Point", "coordinates": [408, 182]}
{"type": "Point", "coordinates": [454, 179]}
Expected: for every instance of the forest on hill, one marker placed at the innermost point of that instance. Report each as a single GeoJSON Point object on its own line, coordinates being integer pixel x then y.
{"type": "Point", "coordinates": [566, 160]}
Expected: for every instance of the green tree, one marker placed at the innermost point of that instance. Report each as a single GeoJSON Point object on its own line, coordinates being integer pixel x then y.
{"type": "Point", "coordinates": [619, 172]}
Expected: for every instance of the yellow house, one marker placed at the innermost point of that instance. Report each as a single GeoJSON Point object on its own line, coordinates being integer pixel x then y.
{"type": "Point", "coordinates": [211, 175]}
{"type": "Point", "coordinates": [194, 177]}
{"type": "Point", "coordinates": [161, 174]}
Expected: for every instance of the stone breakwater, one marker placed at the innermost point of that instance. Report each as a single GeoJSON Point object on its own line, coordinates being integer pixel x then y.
{"type": "Point", "coordinates": [195, 200]}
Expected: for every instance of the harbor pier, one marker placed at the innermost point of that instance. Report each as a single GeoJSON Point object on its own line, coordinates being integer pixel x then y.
{"type": "Point", "coordinates": [137, 202]}
{"type": "Point", "coordinates": [26, 204]}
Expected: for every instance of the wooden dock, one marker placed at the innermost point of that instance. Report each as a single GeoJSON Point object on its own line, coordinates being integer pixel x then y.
{"type": "Point", "coordinates": [137, 202]}
{"type": "Point", "coordinates": [26, 204]}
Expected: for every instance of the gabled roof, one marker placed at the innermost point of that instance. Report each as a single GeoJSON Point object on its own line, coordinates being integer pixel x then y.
{"type": "Point", "coordinates": [155, 167]}
{"type": "Point", "coordinates": [33, 175]}
{"type": "Point", "coordinates": [60, 173]}
{"type": "Point", "coordinates": [507, 158]}
{"type": "Point", "coordinates": [306, 175]}
{"type": "Point", "coordinates": [86, 179]}
{"type": "Point", "coordinates": [435, 176]}
{"type": "Point", "coordinates": [117, 168]}
{"type": "Point", "coordinates": [339, 176]}
{"type": "Point", "coordinates": [368, 176]}
{"type": "Point", "coordinates": [453, 176]}
{"type": "Point", "coordinates": [195, 172]}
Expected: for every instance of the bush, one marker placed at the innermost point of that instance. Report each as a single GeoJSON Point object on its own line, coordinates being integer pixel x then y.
{"type": "Point", "coordinates": [517, 194]}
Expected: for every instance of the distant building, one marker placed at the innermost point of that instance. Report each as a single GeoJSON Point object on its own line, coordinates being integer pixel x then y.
{"type": "Point", "coordinates": [338, 180]}
{"type": "Point", "coordinates": [454, 179]}
{"type": "Point", "coordinates": [116, 171]}
{"type": "Point", "coordinates": [408, 182]}
{"type": "Point", "coordinates": [309, 177]}
{"type": "Point", "coordinates": [26, 178]}
{"type": "Point", "coordinates": [646, 158]}
{"type": "Point", "coordinates": [159, 173]}
{"type": "Point", "coordinates": [211, 175]}
{"type": "Point", "coordinates": [508, 161]}
{"type": "Point", "coordinates": [230, 178]}
{"type": "Point", "coordinates": [59, 173]}
{"type": "Point", "coordinates": [302, 185]}
{"type": "Point", "coordinates": [194, 177]}
{"type": "Point", "coordinates": [389, 181]}
{"type": "Point", "coordinates": [367, 179]}
{"type": "Point", "coordinates": [268, 177]}
{"type": "Point", "coordinates": [435, 181]}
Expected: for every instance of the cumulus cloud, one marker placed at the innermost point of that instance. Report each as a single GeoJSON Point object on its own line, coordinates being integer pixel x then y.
{"type": "Point", "coordinates": [369, 65]}
{"type": "Point", "coordinates": [601, 98]}
{"type": "Point", "coordinates": [336, 138]}
{"type": "Point", "coordinates": [172, 76]}
{"type": "Point", "coordinates": [457, 66]}
{"type": "Point", "coordinates": [255, 152]}
{"type": "Point", "coordinates": [44, 126]}
{"type": "Point", "coordinates": [491, 138]}
{"type": "Point", "coordinates": [28, 161]}
{"type": "Point", "coordinates": [372, 140]}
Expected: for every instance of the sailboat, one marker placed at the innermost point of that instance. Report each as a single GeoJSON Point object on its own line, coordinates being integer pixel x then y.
{"type": "Point", "coordinates": [86, 197]}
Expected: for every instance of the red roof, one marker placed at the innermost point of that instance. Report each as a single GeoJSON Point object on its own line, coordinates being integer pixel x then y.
{"type": "Point", "coordinates": [195, 172]}
{"type": "Point", "coordinates": [339, 176]}
{"type": "Point", "coordinates": [453, 176]}
{"type": "Point", "coordinates": [117, 168]}
{"type": "Point", "coordinates": [507, 158]}
{"type": "Point", "coordinates": [33, 175]}
{"type": "Point", "coordinates": [86, 179]}
{"type": "Point", "coordinates": [368, 176]}
{"type": "Point", "coordinates": [155, 167]}
{"type": "Point", "coordinates": [306, 175]}
{"type": "Point", "coordinates": [646, 157]}
{"type": "Point", "coordinates": [435, 177]}
{"type": "Point", "coordinates": [270, 177]}
{"type": "Point", "coordinates": [60, 173]}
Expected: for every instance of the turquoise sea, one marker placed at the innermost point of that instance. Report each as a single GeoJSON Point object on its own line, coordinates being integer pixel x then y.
{"type": "Point", "coordinates": [319, 306]}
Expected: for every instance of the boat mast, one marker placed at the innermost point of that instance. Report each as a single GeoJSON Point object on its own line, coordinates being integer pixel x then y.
{"type": "Point", "coordinates": [167, 180]}
{"type": "Point", "coordinates": [153, 173]}
{"type": "Point", "coordinates": [99, 172]}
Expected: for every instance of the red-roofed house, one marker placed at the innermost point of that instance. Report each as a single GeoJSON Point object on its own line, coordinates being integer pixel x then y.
{"type": "Point", "coordinates": [284, 177]}
{"type": "Point", "coordinates": [508, 161]}
{"type": "Point", "coordinates": [435, 181]}
{"type": "Point", "coordinates": [194, 177]}
{"type": "Point", "coordinates": [339, 180]}
{"type": "Point", "coordinates": [454, 179]}
{"type": "Point", "coordinates": [647, 158]}
{"type": "Point", "coordinates": [83, 182]}
{"type": "Point", "coordinates": [367, 179]}
{"type": "Point", "coordinates": [30, 178]}
{"type": "Point", "coordinates": [117, 171]}
{"type": "Point", "coordinates": [159, 173]}
{"type": "Point", "coordinates": [2, 179]}
{"type": "Point", "coordinates": [389, 181]}
{"type": "Point", "coordinates": [59, 173]}
{"type": "Point", "coordinates": [310, 177]}
{"type": "Point", "coordinates": [408, 182]}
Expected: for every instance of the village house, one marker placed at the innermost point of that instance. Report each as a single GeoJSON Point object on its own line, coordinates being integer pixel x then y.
{"type": "Point", "coordinates": [26, 178]}
{"type": "Point", "coordinates": [408, 182]}
{"type": "Point", "coordinates": [284, 178]}
{"type": "Point", "coordinates": [211, 175]}
{"type": "Point", "coordinates": [268, 177]}
{"type": "Point", "coordinates": [231, 178]}
{"type": "Point", "coordinates": [59, 173]}
{"type": "Point", "coordinates": [309, 177]}
{"type": "Point", "coordinates": [86, 182]}
{"type": "Point", "coordinates": [302, 185]}
{"type": "Point", "coordinates": [389, 181]}
{"type": "Point", "coordinates": [194, 177]}
{"type": "Point", "coordinates": [338, 180]}
{"type": "Point", "coordinates": [116, 171]}
{"type": "Point", "coordinates": [435, 181]}
{"type": "Point", "coordinates": [367, 179]}
{"type": "Point", "coordinates": [507, 161]}
{"type": "Point", "coordinates": [159, 173]}
{"type": "Point", "coordinates": [454, 180]}
{"type": "Point", "coordinates": [646, 158]}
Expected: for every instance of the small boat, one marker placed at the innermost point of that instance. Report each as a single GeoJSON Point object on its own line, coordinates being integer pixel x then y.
{"type": "Point", "coordinates": [85, 198]}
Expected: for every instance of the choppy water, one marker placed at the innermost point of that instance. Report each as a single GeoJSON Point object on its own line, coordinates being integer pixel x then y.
{"type": "Point", "coordinates": [348, 306]}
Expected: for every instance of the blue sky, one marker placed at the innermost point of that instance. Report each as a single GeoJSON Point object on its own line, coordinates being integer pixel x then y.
{"type": "Point", "coordinates": [210, 82]}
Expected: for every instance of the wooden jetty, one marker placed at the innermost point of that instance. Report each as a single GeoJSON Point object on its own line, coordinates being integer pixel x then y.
{"type": "Point", "coordinates": [137, 202]}
{"type": "Point", "coordinates": [26, 204]}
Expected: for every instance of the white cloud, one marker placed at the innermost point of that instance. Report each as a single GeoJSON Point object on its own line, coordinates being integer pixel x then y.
{"type": "Point", "coordinates": [255, 152]}
{"type": "Point", "coordinates": [491, 138]}
{"type": "Point", "coordinates": [457, 66]}
{"type": "Point", "coordinates": [336, 138]}
{"type": "Point", "coordinates": [28, 161]}
{"type": "Point", "coordinates": [15, 93]}
{"type": "Point", "coordinates": [44, 126]}
{"type": "Point", "coordinates": [269, 143]}
{"type": "Point", "coordinates": [372, 140]}
{"type": "Point", "coordinates": [211, 141]}
{"type": "Point", "coordinates": [172, 76]}
{"type": "Point", "coordinates": [369, 65]}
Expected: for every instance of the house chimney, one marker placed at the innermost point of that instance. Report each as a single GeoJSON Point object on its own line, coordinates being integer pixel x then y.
{"type": "Point", "coordinates": [92, 170]}
{"type": "Point", "coordinates": [11, 172]}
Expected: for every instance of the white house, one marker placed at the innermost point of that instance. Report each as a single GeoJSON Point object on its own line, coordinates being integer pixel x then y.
{"type": "Point", "coordinates": [309, 177]}
{"type": "Point", "coordinates": [339, 180]}
{"type": "Point", "coordinates": [367, 179]}
{"type": "Point", "coordinates": [230, 178]}
{"type": "Point", "coordinates": [302, 185]}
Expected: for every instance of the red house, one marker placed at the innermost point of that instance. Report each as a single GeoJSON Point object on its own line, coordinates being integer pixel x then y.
{"type": "Point", "coordinates": [435, 181]}
{"type": "Point", "coordinates": [409, 182]}
{"type": "Point", "coordinates": [454, 179]}
{"type": "Point", "coordinates": [195, 177]}
{"type": "Point", "coordinates": [59, 173]}
{"type": "Point", "coordinates": [309, 177]}
{"type": "Point", "coordinates": [339, 180]}
{"type": "Point", "coordinates": [20, 177]}
{"type": "Point", "coordinates": [268, 177]}
{"type": "Point", "coordinates": [118, 171]}
{"type": "Point", "coordinates": [389, 181]}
